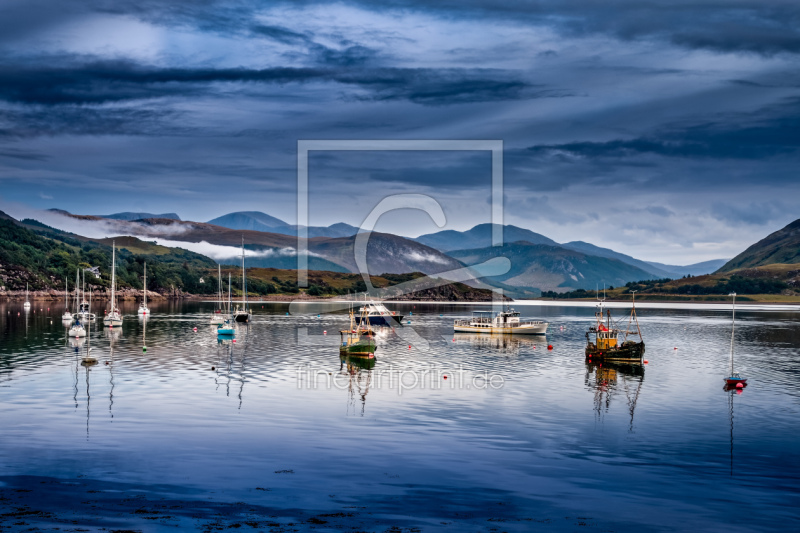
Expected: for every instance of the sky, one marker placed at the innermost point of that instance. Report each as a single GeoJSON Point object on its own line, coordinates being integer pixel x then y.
{"type": "Point", "coordinates": [665, 129]}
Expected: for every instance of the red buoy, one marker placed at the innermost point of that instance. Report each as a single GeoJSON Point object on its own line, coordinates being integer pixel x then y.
{"type": "Point", "coordinates": [739, 386]}
{"type": "Point", "coordinates": [549, 346]}
{"type": "Point", "coordinates": [646, 361]}
{"type": "Point", "coordinates": [409, 346]}
{"type": "Point", "coordinates": [445, 377]}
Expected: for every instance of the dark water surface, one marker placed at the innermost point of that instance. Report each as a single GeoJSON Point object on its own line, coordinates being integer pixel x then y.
{"type": "Point", "coordinates": [283, 436]}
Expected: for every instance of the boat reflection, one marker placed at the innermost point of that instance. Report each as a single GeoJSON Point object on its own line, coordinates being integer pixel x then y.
{"type": "Point", "coordinates": [359, 373]}
{"type": "Point", "coordinates": [733, 390]}
{"type": "Point", "coordinates": [499, 341]}
{"type": "Point", "coordinates": [608, 380]}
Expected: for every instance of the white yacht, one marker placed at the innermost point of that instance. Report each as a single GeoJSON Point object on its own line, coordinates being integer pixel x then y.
{"type": "Point", "coordinates": [502, 322]}
{"type": "Point", "coordinates": [378, 315]}
{"type": "Point", "coordinates": [217, 317]}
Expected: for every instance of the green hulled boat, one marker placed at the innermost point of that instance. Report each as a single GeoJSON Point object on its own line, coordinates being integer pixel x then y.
{"type": "Point", "coordinates": [359, 340]}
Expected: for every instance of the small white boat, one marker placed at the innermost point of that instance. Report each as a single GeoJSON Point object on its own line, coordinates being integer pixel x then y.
{"type": "Point", "coordinates": [77, 330]}
{"type": "Point", "coordinates": [502, 322]}
{"type": "Point", "coordinates": [113, 318]}
{"type": "Point", "coordinates": [67, 316]}
{"type": "Point", "coordinates": [27, 304]}
{"type": "Point", "coordinates": [84, 309]}
{"type": "Point", "coordinates": [143, 309]}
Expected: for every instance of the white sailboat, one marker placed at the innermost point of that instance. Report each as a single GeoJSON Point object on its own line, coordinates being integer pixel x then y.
{"type": "Point", "coordinates": [113, 318]}
{"type": "Point", "coordinates": [225, 328]}
{"type": "Point", "coordinates": [242, 314]}
{"type": "Point", "coordinates": [143, 309]}
{"type": "Point", "coordinates": [84, 310]}
{"type": "Point", "coordinates": [67, 316]}
{"type": "Point", "coordinates": [217, 317]}
{"type": "Point", "coordinates": [27, 304]}
{"type": "Point", "coordinates": [77, 329]}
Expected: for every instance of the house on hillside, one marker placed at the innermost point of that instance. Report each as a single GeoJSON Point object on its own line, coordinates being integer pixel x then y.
{"type": "Point", "coordinates": [93, 270]}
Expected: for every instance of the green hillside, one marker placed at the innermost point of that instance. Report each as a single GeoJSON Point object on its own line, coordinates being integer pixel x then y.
{"type": "Point", "coordinates": [547, 268]}
{"type": "Point", "coordinates": [44, 257]}
{"type": "Point", "coordinates": [781, 247]}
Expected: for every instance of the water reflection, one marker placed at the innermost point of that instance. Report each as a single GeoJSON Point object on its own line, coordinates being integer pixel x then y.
{"type": "Point", "coordinates": [501, 342]}
{"type": "Point", "coordinates": [609, 380]}
{"type": "Point", "coordinates": [359, 374]}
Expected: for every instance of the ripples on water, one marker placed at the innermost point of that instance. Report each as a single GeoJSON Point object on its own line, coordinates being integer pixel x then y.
{"type": "Point", "coordinates": [555, 444]}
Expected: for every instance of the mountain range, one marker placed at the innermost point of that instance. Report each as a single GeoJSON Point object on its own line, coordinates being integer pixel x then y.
{"type": "Point", "coordinates": [537, 262]}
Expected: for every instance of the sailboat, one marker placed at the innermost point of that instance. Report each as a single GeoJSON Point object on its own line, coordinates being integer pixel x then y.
{"type": "Point", "coordinates": [27, 304]}
{"type": "Point", "coordinates": [67, 316]}
{"type": "Point", "coordinates": [225, 329]}
{"type": "Point", "coordinates": [114, 317]}
{"type": "Point", "coordinates": [143, 309]}
{"type": "Point", "coordinates": [77, 329]}
{"type": "Point", "coordinates": [84, 310]}
{"type": "Point", "coordinates": [242, 314]}
{"type": "Point", "coordinates": [734, 379]}
{"type": "Point", "coordinates": [217, 317]}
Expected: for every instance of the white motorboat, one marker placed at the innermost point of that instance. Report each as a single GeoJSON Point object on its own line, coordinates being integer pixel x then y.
{"type": "Point", "coordinates": [502, 322]}
{"type": "Point", "coordinates": [377, 314]}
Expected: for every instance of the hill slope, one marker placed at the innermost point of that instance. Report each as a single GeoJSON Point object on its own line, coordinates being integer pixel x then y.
{"type": "Point", "coordinates": [554, 268]}
{"type": "Point", "coordinates": [480, 237]}
{"type": "Point", "coordinates": [781, 247]}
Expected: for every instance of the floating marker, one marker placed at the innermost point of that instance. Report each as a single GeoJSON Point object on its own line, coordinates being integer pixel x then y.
{"type": "Point", "coordinates": [409, 346]}
{"type": "Point", "coordinates": [212, 368]}
{"type": "Point", "coordinates": [445, 377]}
{"type": "Point", "coordinates": [675, 348]}
{"type": "Point", "coordinates": [549, 346]}
{"type": "Point", "coordinates": [144, 348]}
{"type": "Point", "coordinates": [739, 386]}
{"type": "Point", "coordinates": [646, 361]}
{"type": "Point", "coordinates": [454, 340]}
{"type": "Point", "coordinates": [325, 332]}
{"type": "Point", "coordinates": [194, 329]}
{"type": "Point", "coordinates": [287, 313]}
{"type": "Point", "coordinates": [234, 341]}
{"type": "Point", "coordinates": [408, 322]}
{"type": "Point", "coordinates": [412, 312]}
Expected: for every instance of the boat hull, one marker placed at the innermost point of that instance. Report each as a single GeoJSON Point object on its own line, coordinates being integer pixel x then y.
{"type": "Point", "coordinates": [627, 353]}
{"type": "Point", "coordinates": [537, 329]}
{"type": "Point", "coordinates": [242, 317]}
{"type": "Point", "coordinates": [383, 320]}
{"type": "Point", "coordinates": [112, 322]}
{"type": "Point", "coordinates": [364, 348]}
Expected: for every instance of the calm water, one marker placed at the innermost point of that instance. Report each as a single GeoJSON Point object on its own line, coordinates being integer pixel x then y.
{"type": "Point", "coordinates": [281, 435]}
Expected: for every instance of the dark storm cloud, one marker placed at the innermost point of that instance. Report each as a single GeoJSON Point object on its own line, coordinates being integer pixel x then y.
{"type": "Point", "coordinates": [769, 132]}
{"type": "Point", "coordinates": [720, 25]}
{"type": "Point", "coordinates": [73, 120]}
{"type": "Point", "coordinates": [97, 82]}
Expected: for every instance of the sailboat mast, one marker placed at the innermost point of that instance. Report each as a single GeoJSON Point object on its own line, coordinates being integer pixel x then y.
{"type": "Point", "coordinates": [229, 292]}
{"type": "Point", "coordinates": [145, 284]}
{"type": "Point", "coordinates": [77, 290]}
{"type": "Point", "coordinates": [733, 326]}
{"type": "Point", "coordinates": [219, 286]}
{"type": "Point", "coordinates": [244, 281]}
{"type": "Point", "coordinates": [113, 275]}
